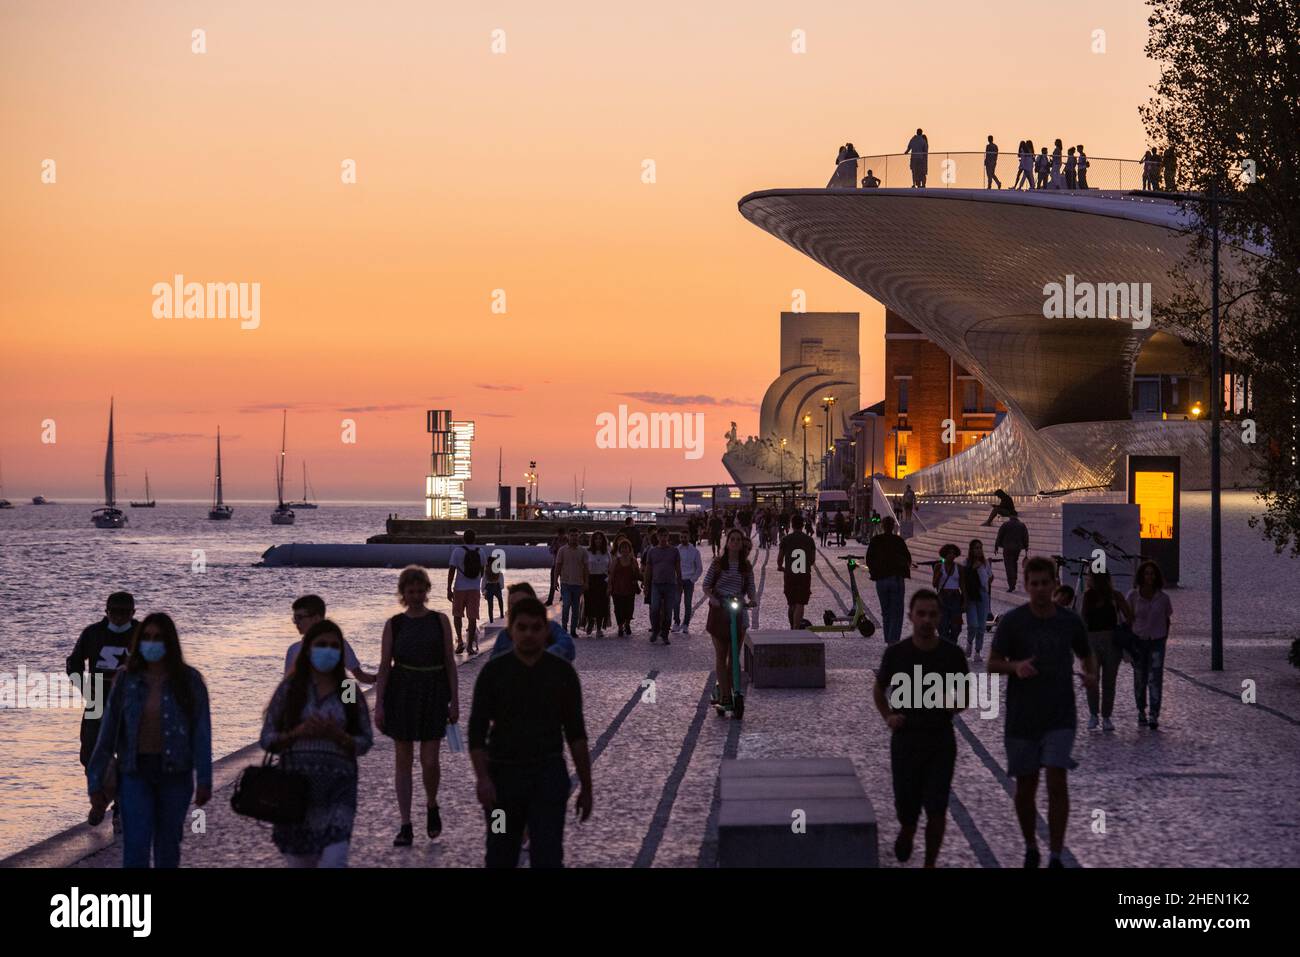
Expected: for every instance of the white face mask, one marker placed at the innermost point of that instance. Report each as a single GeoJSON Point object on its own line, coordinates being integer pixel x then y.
{"type": "Point", "coordinates": [118, 629]}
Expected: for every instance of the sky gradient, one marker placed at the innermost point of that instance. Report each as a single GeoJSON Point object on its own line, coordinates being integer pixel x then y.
{"type": "Point", "coordinates": [476, 171]}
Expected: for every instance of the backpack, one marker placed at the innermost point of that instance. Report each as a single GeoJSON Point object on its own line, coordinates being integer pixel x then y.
{"type": "Point", "coordinates": [473, 564]}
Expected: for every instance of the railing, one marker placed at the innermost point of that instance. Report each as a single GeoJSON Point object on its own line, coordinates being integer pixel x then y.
{"type": "Point", "coordinates": [966, 171]}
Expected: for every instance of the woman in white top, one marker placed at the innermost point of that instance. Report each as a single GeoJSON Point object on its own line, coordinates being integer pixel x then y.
{"type": "Point", "coordinates": [979, 596]}
{"type": "Point", "coordinates": [595, 600]}
{"type": "Point", "coordinates": [1152, 611]}
{"type": "Point", "coordinates": [952, 593]}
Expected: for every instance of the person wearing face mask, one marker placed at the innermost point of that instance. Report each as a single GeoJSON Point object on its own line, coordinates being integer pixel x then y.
{"type": "Point", "coordinates": [101, 650]}
{"type": "Point", "coordinates": [319, 721]}
{"type": "Point", "coordinates": [158, 725]}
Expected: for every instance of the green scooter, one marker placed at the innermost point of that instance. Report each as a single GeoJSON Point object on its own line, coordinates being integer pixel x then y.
{"type": "Point", "coordinates": [737, 708]}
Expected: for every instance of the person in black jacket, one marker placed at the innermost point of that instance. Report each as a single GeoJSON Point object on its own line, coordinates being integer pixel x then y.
{"type": "Point", "coordinates": [1005, 507]}
{"type": "Point", "coordinates": [101, 650]}
{"type": "Point", "coordinates": [1013, 538]}
{"type": "Point", "coordinates": [889, 562]}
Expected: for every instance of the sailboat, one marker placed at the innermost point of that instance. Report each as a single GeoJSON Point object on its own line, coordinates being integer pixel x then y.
{"type": "Point", "coordinates": [148, 499]}
{"type": "Point", "coordinates": [4, 502]}
{"type": "Point", "coordinates": [220, 511]}
{"type": "Point", "coordinates": [110, 516]}
{"type": "Point", "coordinates": [306, 502]}
{"type": "Point", "coordinates": [283, 514]}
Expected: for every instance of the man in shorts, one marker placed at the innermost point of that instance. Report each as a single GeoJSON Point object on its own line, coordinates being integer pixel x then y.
{"type": "Point", "coordinates": [1035, 646]}
{"type": "Point", "coordinates": [922, 746]}
{"type": "Point", "coordinates": [464, 580]}
{"type": "Point", "coordinates": [795, 558]}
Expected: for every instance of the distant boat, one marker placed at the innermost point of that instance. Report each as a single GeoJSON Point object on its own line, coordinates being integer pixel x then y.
{"type": "Point", "coordinates": [40, 500]}
{"type": "Point", "coordinates": [110, 516]}
{"type": "Point", "coordinates": [306, 500]}
{"type": "Point", "coordinates": [4, 502]}
{"type": "Point", "coordinates": [283, 514]}
{"type": "Point", "coordinates": [219, 511]}
{"type": "Point", "coordinates": [148, 499]}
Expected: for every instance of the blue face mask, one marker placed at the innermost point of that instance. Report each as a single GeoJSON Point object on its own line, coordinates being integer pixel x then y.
{"type": "Point", "coordinates": [324, 658]}
{"type": "Point", "coordinates": [152, 651]}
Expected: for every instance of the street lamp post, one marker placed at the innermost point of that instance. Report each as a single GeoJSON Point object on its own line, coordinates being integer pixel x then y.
{"type": "Point", "coordinates": [783, 460]}
{"type": "Point", "coordinates": [821, 442]}
{"type": "Point", "coordinates": [807, 421]}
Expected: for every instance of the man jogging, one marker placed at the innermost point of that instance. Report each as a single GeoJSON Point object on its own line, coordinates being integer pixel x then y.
{"type": "Point", "coordinates": [1034, 646]}
{"type": "Point", "coordinates": [922, 746]}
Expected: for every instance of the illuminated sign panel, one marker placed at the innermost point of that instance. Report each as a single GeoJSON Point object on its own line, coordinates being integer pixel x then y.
{"type": "Point", "coordinates": [1153, 492]}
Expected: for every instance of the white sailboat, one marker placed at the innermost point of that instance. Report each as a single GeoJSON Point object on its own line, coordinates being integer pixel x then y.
{"type": "Point", "coordinates": [306, 500]}
{"type": "Point", "coordinates": [283, 514]}
{"type": "Point", "coordinates": [110, 516]}
{"type": "Point", "coordinates": [220, 511]}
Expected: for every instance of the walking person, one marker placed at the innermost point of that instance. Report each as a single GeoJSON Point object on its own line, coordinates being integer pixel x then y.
{"type": "Point", "coordinates": [1152, 611]}
{"type": "Point", "coordinates": [595, 600]}
{"type": "Point", "coordinates": [308, 611]}
{"type": "Point", "coordinates": [729, 576]}
{"type": "Point", "coordinates": [1057, 181]}
{"type": "Point", "coordinates": [922, 745]}
{"type": "Point", "coordinates": [1021, 171]}
{"type": "Point", "coordinates": [664, 580]}
{"type": "Point", "coordinates": [715, 532]}
{"type": "Point", "coordinates": [494, 579]}
{"type": "Point", "coordinates": [979, 597]}
{"type": "Point", "coordinates": [909, 502]}
{"type": "Point", "coordinates": [1041, 165]}
{"type": "Point", "coordinates": [101, 650]}
{"type": "Point", "coordinates": [1103, 609]}
{"type": "Point", "coordinates": [573, 570]}
{"type": "Point", "coordinates": [991, 164]}
{"type": "Point", "coordinates": [464, 582]}
{"type": "Point", "coordinates": [1071, 170]}
{"type": "Point", "coordinates": [823, 528]}
{"type": "Point", "coordinates": [889, 563]}
{"type": "Point", "coordinates": [1012, 539]}
{"type": "Point", "coordinates": [692, 565]}
{"type": "Point", "coordinates": [1170, 164]}
{"type": "Point", "coordinates": [319, 730]}
{"type": "Point", "coordinates": [158, 725]}
{"type": "Point", "coordinates": [1083, 168]}
{"type": "Point", "coordinates": [947, 581]}
{"type": "Point", "coordinates": [526, 705]}
{"type": "Point", "coordinates": [559, 541]}
{"type": "Point", "coordinates": [795, 559]}
{"type": "Point", "coordinates": [841, 525]}
{"type": "Point", "coordinates": [624, 585]}
{"type": "Point", "coordinates": [918, 147]}
{"type": "Point", "coordinates": [1035, 645]}
{"type": "Point", "coordinates": [417, 696]}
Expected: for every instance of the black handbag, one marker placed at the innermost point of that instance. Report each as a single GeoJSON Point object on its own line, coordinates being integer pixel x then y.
{"type": "Point", "coordinates": [1122, 638]}
{"type": "Point", "coordinates": [269, 792]}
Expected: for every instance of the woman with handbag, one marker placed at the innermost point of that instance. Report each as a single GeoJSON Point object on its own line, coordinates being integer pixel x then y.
{"type": "Point", "coordinates": [416, 696]}
{"type": "Point", "coordinates": [980, 576]}
{"type": "Point", "coordinates": [1103, 608]}
{"type": "Point", "coordinates": [320, 724]}
{"type": "Point", "coordinates": [729, 576]}
{"type": "Point", "coordinates": [158, 725]}
{"type": "Point", "coordinates": [1152, 611]}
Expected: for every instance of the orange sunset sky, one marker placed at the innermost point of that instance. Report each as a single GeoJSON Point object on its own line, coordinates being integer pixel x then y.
{"type": "Point", "coordinates": [475, 171]}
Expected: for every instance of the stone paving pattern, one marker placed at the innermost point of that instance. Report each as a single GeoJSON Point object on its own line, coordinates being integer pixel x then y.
{"type": "Point", "coordinates": [1216, 786]}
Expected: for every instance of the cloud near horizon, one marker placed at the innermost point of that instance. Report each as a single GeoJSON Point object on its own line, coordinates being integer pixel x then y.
{"type": "Point", "coordinates": [672, 398]}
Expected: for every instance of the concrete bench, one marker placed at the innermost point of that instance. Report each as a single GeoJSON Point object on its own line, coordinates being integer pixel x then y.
{"type": "Point", "coordinates": [760, 801]}
{"type": "Point", "coordinates": [785, 659]}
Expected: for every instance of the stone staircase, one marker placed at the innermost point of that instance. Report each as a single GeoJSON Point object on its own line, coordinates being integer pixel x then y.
{"type": "Point", "coordinates": [1042, 518]}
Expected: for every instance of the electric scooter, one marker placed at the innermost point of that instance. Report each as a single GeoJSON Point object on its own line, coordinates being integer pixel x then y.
{"type": "Point", "coordinates": [857, 618]}
{"type": "Point", "coordinates": [737, 708]}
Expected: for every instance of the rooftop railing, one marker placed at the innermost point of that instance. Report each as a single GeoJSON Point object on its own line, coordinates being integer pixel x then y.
{"type": "Point", "coordinates": [967, 171]}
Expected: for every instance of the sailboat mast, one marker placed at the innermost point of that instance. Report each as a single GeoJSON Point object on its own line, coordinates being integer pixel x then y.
{"type": "Point", "coordinates": [279, 475]}
{"type": "Point", "coordinates": [110, 490]}
{"type": "Point", "coordinates": [304, 480]}
{"type": "Point", "coordinates": [219, 499]}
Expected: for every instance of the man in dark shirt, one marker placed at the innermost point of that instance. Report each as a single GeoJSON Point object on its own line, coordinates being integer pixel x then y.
{"type": "Point", "coordinates": [663, 571]}
{"type": "Point", "coordinates": [922, 747]}
{"type": "Point", "coordinates": [633, 534]}
{"type": "Point", "coordinates": [1012, 539]}
{"type": "Point", "coordinates": [889, 563]}
{"type": "Point", "coordinates": [101, 650]}
{"type": "Point", "coordinates": [526, 705]}
{"type": "Point", "coordinates": [715, 533]}
{"type": "Point", "coordinates": [1035, 645]}
{"type": "Point", "coordinates": [796, 558]}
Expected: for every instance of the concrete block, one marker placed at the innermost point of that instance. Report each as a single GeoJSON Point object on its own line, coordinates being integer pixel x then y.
{"type": "Point", "coordinates": [785, 659]}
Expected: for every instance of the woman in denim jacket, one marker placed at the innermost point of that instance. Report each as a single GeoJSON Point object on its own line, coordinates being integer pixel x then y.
{"type": "Point", "coordinates": [158, 725]}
